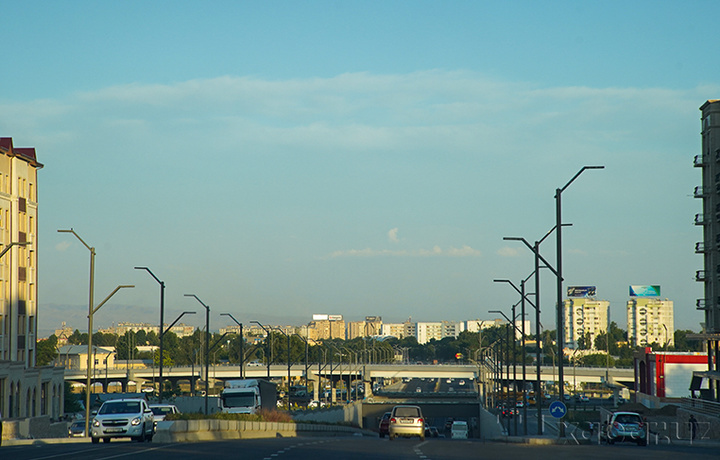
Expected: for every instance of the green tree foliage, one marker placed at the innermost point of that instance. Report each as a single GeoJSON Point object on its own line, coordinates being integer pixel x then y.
{"type": "Point", "coordinates": [596, 360]}
{"type": "Point", "coordinates": [71, 400]}
{"type": "Point", "coordinates": [77, 338]}
{"type": "Point", "coordinates": [46, 350]}
{"type": "Point", "coordinates": [126, 347]}
{"type": "Point", "coordinates": [682, 343]}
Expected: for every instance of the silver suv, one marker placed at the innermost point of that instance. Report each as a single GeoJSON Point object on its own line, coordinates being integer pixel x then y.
{"type": "Point", "coordinates": [123, 418]}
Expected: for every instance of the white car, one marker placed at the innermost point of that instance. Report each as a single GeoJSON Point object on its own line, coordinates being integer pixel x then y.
{"type": "Point", "coordinates": [123, 418]}
{"type": "Point", "coordinates": [161, 410]}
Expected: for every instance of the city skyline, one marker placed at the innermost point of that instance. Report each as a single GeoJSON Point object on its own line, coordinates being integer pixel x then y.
{"type": "Point", "coordinates": [290, 159]}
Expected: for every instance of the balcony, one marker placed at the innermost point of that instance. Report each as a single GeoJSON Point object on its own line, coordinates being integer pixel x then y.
{"type": "Point", "coordinates": [699, 161]}
{"type": "Point", "coordinates": [701, 304]}
{"type": "Point", "coordinates": [700, 247]}
{"type": "Point", "coordinates": [699, 192]}
{"type": "Point", "coordinates": [700, 275]}
{"type": "Point", "coordinates": [700, 219]}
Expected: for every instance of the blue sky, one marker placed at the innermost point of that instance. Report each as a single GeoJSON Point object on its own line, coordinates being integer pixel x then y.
{"type": "Point", "coordinates": [280, 159]}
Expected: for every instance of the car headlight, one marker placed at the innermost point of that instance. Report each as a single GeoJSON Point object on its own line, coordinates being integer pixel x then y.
{"type": "Point", "coordinates": [95, 423]}
{"type": "Point", "coordinates": [135, 421]}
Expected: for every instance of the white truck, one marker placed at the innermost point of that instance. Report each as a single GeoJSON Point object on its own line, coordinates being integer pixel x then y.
{"type": "Point", "coordinates": [248, 396]}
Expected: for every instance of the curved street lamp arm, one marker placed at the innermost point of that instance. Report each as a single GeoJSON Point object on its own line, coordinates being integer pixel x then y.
{"type": "Point", "coordinates": [108, 297]}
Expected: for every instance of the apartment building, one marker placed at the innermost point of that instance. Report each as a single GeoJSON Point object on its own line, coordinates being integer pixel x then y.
{"type": "Point", "coordinates": [427, 331]}
{"type": "Point", "coordinates": [650, 320]}
{"type": "Point", "coordinates": [324, 327]}
{"type": "Point", "coordinates": [181, 330]}
{"type": "Point", "coordinates": [25, 390]}
{"type": "Point", "coordinates": [371, 326]}
{"type": "Point", "coordinates": [584, 318]}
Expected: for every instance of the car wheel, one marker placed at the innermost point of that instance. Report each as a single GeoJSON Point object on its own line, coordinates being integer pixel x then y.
{"type": "Point", "coordinates": [642, 442]}
{"type": "Point", "coordinates": [611, 441]}
{"type": "Point", "coordinates": [95, 440]}
{"type": "Point", "coordinates": [422, 438]}
{"type": "Point", "coordinates": [106, 440]}
{"type": "Point", "coordinates": [382, 435]}
{"type": "Point", "coordinates": [392, 438]}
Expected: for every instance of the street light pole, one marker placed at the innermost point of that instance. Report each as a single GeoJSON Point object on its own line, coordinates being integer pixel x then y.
{"type": "Point", "coordinates": [523, 298]}
{"type": "Point", "coordinates": [207, 349]}
{"type": "Point", "coordinates": [288, 363]}
{"type": "Point", "coordinates": [242, 343]}
{"type": "Point", "coordinates": [162, 323]}
{"type": "Point", "coordinates": [267, 345]}
{"type": "Point", "coordinates": [90, 321]}
{"type": "Point", "coordinates": [560, 306]}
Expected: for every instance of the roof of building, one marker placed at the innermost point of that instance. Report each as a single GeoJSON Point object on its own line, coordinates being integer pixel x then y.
{"type": "Point", "coordinates": [82, 349]}
{"type": "Point", "coordinates": [25, 153]}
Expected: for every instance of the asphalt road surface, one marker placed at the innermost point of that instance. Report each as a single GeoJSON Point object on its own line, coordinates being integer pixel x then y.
{"type": "Point", "coordinates": [352, 448]}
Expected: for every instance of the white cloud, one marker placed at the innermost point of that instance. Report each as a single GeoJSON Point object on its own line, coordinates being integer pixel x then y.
{"type": "Point", "coordinates": [62, 246]}
{"type": "Point", "coordinates": [508, 252]}
{"type": "Point", "coordinates": [436, 251]}
{"type": "Point", "coordinates": [393, 235]}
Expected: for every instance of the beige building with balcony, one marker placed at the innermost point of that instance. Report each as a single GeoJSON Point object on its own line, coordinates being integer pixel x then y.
{"type": "Point", "coordinates": [25, 390]}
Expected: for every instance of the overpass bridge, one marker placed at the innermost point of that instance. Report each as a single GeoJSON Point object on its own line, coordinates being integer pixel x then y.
{"type": "Point", "coordinates": [367, 372]}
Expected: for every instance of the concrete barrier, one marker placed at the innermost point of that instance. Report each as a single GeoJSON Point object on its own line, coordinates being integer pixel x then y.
{"type": "Point", "coordinates": [211, 430]}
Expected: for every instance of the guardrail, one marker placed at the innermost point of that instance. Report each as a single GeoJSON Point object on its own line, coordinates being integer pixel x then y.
{"type": "Point", "coordinates": [701, 406]}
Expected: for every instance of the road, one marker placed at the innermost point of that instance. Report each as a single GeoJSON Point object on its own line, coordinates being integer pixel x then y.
{"type": "Point", "coordinates": [351, 448]}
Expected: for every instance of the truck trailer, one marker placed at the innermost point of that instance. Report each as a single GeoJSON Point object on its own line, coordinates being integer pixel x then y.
{"type": "Point", "coordinates": [248, 396]}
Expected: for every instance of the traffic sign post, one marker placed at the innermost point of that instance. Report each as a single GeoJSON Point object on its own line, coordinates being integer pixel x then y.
{"type": "Point", "coordinates": [558, 409]}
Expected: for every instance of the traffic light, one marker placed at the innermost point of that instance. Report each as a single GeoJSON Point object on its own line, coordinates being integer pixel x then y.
{"type": "Point", "coordinates": [458, 355]}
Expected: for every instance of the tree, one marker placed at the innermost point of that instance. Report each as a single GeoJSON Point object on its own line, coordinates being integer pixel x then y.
{"type": "Point", "coordinates": [77, 338]}
{"type": "Point", "coordinates": [682, 343]}
{"type": "Point", "coordinates": [71, 401]}
{"type": "Point", "coordinates": [125, 347]}
{"type": "Point", "coordinates": [597, 360]}
{"type": "Point", "coordinates": [46, 350]}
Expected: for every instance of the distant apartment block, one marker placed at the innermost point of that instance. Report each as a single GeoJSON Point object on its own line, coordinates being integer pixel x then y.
{"type": "Point", "coordinates": [585, 318]}
{"type": "Point", "coordinates": [181, 330]}
{"type": "Point", "coordinates": [476, 325]}
{"type": "Point", "coordinates": [650, 320]}
{"type": "Point", "coordinates": [371, 326]}
{"type": "Point", "coordinates": [425, 332]}
{"type": "Point", "coordinates": [323, 329]}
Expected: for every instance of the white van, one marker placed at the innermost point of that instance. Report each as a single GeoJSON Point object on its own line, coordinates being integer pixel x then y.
{"type": "Point", "coordinates": [459, 430]}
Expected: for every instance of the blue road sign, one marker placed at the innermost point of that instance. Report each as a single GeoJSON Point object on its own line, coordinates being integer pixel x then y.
{"type": "Point", "coordinates": [558, 409]}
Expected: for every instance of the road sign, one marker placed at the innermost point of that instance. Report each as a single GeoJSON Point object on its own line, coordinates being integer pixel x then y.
{"type": "Point", "coordinates": [558, 409]}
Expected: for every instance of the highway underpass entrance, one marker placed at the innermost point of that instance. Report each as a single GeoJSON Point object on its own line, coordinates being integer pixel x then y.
{"type": "Point", "coordinates": [436, 413]}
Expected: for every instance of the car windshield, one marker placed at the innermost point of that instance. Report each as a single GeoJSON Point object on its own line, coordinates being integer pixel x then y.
{"type": "Point", "coordinates": [239, 399]}
{"type": "Point", "coordinates": [407, 412]}
{"type": "Point", "coordinates": [162, 410]}
{"type": "Point", "coordinates": [120, 408]}
{"type": "Point", "coordinates": [386, 415]}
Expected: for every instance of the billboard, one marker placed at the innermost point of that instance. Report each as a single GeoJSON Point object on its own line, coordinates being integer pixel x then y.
{"type": "Point", "coordinates": [644, 291]}
{"type": "Point", "coordinates": [320, 317]}
{"type": "Point", "coordinates": [335, 317]}
{"type": "Point", "coordinates": [581, 291]}
{"type": "Point", "coordinates": [373, 319]}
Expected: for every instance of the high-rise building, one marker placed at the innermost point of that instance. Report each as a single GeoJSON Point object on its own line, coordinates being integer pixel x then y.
{"type": "Point", "coordinates": [25, 390]}
{"type": "Point", "coordinates": [650, 320]}
{"type": "Point", "coordinates": [709, 247]}
{"type": "Point", "coordinates": [585, 319]}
